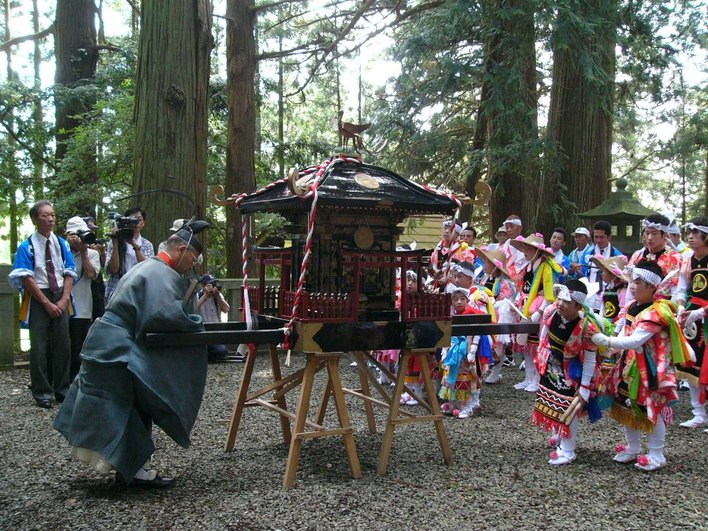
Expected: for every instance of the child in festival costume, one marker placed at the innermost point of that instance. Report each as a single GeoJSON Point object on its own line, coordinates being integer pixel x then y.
{"type": "Point", "coordinates": [389, 358]}
{"type": "Point", "coordinates": [496, 280]}
{"type": "Point", "coordinates": [536, 281]}
{"type": "Point", "coordinates": [692, 298]}
{"type": "Point", "coordinates": [566, 361]}
{"type": "Point", "coordinates": [462, 362]}
{"type": "Point", "coordinates": [643, 381]}
{"type": "Point", "coordinates": [654, 235]}
{"type": "Point", "coordinates": [444, 251]}
{"type": "Point", "coordinates": [614, 312]}
{"type": "Point", "coordinates": [615, 292]}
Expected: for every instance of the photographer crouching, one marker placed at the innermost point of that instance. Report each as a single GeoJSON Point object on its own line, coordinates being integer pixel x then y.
{"type": "Point", "coordinates": [211, 305]}
{"type": "Point", "coordinates": [131, 247]}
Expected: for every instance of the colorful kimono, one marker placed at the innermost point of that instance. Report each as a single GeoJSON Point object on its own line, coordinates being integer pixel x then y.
{"type": "Point", "coordinates": [462, 375]}
{"type": "Point", "coordinates": [668, 260]}
{"type": "Point", "coordinates": [695, 273]}
{"type": "Point", "coordinates": [559, 361]}
{"type": "Point", "coordinates": [643, 382]}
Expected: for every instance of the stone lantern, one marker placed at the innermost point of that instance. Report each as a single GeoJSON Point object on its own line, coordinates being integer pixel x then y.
{"type": "Point", "coordinates": [624, 212]}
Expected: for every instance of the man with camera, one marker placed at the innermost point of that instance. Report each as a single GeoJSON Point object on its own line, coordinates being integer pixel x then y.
{"type": "Point", "coordinates": [211, 305]}
{"type": "Point", "coordinates": [88, 264]}
{"type": "Point", "coordinates": [127, 247]}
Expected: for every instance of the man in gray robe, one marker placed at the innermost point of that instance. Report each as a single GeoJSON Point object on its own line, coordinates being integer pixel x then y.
{"type": "Point", "coordinates": [124, 386]}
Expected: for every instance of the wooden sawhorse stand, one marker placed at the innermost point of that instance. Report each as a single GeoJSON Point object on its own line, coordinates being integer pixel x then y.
{"type": "Point", "coordinates": [396, 415]}
{"type": "Point", "coordinates": [303, 378]}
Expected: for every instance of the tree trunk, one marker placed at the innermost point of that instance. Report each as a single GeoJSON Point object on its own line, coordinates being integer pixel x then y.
{"type": "Point", "coordinates": [171, 112]}
{"type": "Point", "coordinates": [509, 103]}
{"type": "Point", "coordinates": [578, 161]}
{"type": "Point", "coordinates": [240, 162]}
{"type": "Point", "coordinates": [76, 57]}
{"type": "Point", "coordinates": [37, 110]}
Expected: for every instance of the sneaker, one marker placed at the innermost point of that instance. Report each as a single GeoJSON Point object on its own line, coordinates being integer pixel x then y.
{"type": "Point", "coordinates": [532, 387]}
{"type": "Point", "coordinates": [648, 463]}
{"type": "Point", "coordinates": [383, 379]}
{"type": "Point", "coordinates": [522, 365]}
{"type": "Point", "coordinates": [683, 385]}
{"type": "Point", "coordinates": [491, 380]}
{"type": "Point", "coordinates": [405, 397]}
{"type": "Point", "coordinates": [352, 364]}
{"type": "Point", "coordinates": [560, 457]}
{"type": "Point", "coordinates": [695, 422]}
{"type": "Point", "coordinates": [508, 362]}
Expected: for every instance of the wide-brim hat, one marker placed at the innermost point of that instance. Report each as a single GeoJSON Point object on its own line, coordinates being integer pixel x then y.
{"type": "Point", "coordinates": [532, 240]}
{"type": "Point", "coordinates": [495, 257]}
{"type": "Point", "coordinates": [614, 265]}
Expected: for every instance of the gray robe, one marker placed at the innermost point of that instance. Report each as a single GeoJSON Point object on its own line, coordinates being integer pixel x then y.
{"type": "Point", "coordinates": [124, 386]}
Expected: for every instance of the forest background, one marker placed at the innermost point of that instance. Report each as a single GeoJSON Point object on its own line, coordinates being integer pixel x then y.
{"type": "Point", "coordinates": [547, 101]}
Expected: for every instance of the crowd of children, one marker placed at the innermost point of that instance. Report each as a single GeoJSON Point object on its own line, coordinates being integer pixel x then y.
{"type": "Point", "coordinates": [616, 336]}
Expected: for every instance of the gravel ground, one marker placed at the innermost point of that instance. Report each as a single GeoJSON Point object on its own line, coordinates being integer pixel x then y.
{"type": "Point", "coordinates": [499, 479]}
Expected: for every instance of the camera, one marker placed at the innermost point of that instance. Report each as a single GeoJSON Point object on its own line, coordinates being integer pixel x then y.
{"type": "Point", "coordinates": [87, 237]}
{"type": "Point", "coordinates": [125, 226]}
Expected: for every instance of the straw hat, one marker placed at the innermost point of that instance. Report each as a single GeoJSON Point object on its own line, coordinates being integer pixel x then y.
{"type": "Point", "coordinates": [496, 257]}
{"type": "Point", "coordinates": [614, 265]}
{"type": "Point", "coordinates": [532, 240]}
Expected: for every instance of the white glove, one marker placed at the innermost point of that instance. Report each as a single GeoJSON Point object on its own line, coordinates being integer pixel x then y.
{"type": "Point", "coordinates": [535, 317]}
{"type": "Point", "coordinates": [601, 340]}
{"type": "Point", "coordinates": [584, 394]}
{"type": "Point", "coordinates": [694, 316]}
{"type": "Point", "coordinates": [680, 312]}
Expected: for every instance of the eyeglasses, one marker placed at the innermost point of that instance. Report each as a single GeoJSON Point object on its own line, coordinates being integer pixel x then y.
{"type": "Point", "coordinates": [198, 259]}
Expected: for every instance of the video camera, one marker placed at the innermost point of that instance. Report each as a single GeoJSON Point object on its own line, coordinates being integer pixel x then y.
{"type": "Point", "coordinates": [86, 236]}
{"type": "Point", "coordinates": [124, 224]}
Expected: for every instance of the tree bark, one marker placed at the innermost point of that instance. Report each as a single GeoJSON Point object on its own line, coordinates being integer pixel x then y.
{"type": "Point", "coordinates": [76, 57]}
{"type": "Point", "coordinates": [578, 161]}
{"type": "Point", "coordinates": [171, 113]}
{"type": "Point", "coordinates": [509, 104]}
{"type": "Point", "coordinates": [240, 161]}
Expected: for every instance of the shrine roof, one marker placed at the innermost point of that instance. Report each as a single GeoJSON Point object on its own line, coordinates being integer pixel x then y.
{"type": "Point", "coordinates": [351, 185]}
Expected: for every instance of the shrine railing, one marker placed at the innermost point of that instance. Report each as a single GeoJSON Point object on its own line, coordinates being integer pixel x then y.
{"type": "Point", "coordinates": [264, 300]}
{"type": "Point", "coordinates": [323, 307]}
{"type": "Point", "coordinates": [426, 306]}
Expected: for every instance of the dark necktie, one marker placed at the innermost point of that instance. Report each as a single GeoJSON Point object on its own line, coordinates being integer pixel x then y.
{"type": "Point", "coordinates": [51, 274]}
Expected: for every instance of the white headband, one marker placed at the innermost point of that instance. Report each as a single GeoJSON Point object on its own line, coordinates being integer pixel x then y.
{"type": "Point", "coordinates": [513, 221]}
{"type": "Point", "coordinates": [451, 288]}
{"type": "Point", "coordinates": [652, 225]}
{"type": "Point", "coordinates": [564, 294]}
{"type": "Point", "coordinates": [693, 226]}
{"type": "Point", "coordinates": [646, 275]}
{"type": "Point", "coordinates": [411, 274]}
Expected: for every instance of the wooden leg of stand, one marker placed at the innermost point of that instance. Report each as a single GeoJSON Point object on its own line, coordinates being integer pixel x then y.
{"type": "Point", "coordinates": [240, 399]}
{"type": "Point", "coordinates": [303, 406]}
{"type": "Point", "coordinates": [423, 360]}
{"type": "Point", "coordinates": [393, 414]}
{"type": "Point", "coordinates": [277, 376]}
{"type": "Point", "coordinates": [338, 395]}
{"type": "Point", "coordinates": [324, 402]}
{"type": "Point", "coordinates": [364, 375]}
